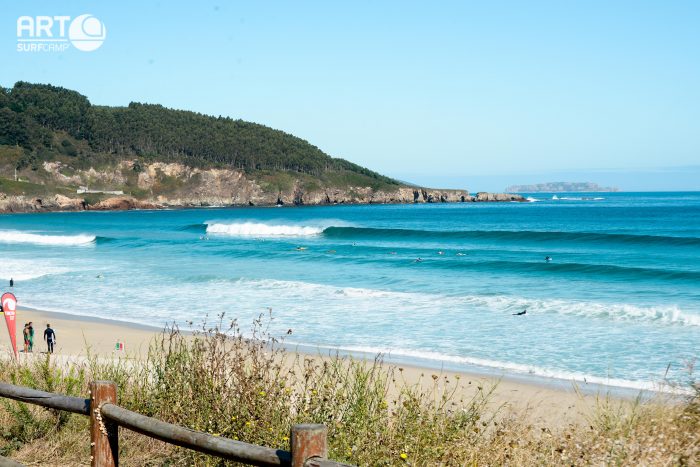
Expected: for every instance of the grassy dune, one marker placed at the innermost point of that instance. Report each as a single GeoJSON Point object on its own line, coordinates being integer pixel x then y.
{"type": "Point", "coordinates": [252, 391]}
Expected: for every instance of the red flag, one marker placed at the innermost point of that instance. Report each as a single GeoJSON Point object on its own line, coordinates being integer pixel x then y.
{"type": "Point", "coordinates": [9, 307]}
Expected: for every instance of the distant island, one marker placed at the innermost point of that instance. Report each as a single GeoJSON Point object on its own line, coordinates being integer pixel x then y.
{"type": "Point", "coordinates": [559, 187]}
{"type": "Point", "coordinates": [60, 152]}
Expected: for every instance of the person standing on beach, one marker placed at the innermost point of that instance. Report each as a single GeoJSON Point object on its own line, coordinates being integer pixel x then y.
{"type": "Point", "coordinates": [30, 328]}
{"type": "Point", "coordinates": [25, 334]}
{"type": "Point", "coordinates": [49, 337]}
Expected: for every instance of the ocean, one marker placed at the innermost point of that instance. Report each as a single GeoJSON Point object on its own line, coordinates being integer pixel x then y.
{"type": "Point", "coordinates": [618, 304]}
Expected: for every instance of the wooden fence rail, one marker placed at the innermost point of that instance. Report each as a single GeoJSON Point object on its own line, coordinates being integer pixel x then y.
{"type": "Point", "coordinates": [309, 445]}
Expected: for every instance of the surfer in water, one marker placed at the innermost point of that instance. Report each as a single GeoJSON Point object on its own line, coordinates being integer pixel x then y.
{"type": "Point", "coordinates": [520, 313]}
{"type": "Point", "coordinates": [547, 259]}
{"type": "Point", "coordinates": [418, 260]}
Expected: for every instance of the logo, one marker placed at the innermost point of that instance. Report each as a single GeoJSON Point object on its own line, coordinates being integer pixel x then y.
{"type": "Point", "coordinates": [9, 304]}
{"type": "Point", "coordinates": [58, 33]}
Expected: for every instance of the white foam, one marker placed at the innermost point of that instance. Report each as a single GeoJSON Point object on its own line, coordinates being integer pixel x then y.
{"type": "Point", "coordinates": [23, 270]}
{"type": "Point", "coordinates": [505, 304]}
{"type": "Point", "coordinates": [252, 229]}
{"type": "Point", "coordinates": [517, 368]}
{"type": "Point", "coordinates": [14, 236]}
{"type": "Point", "coordinates": [325, 309]}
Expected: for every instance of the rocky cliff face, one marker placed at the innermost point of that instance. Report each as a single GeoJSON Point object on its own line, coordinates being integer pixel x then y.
{"type": "Point", "coordinates": [160, 185]}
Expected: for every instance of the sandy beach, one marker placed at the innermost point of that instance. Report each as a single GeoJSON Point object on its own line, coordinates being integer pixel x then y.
{"type": "Point", "coordinates": [548, 405]}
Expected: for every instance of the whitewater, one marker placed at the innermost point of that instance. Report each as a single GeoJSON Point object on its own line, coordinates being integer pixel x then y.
{"type": "Point", "coordinates": [436, 285]}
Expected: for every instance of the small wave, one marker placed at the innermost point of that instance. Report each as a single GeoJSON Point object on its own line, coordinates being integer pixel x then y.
{"type": "Point", "coordinates": [531, 199]}
{"type": "Point", "coordinates": [517, 368]}
{"type": "Point", "coordinates": [510, 235]}
{"type": "Point", "coordinates": [577, 198]}
{"type": "Point", "coordinates": [252, 229]}
{"type": "Point", "coordinates": [604, 271]}
{"type": "Point", "coordinates": [13, 236]}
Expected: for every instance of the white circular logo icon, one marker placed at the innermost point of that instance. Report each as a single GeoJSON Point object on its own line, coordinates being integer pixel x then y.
{"type": "Point", "coordinates": [9, 304]}
{"type": "Point", "coordinates": [87, 33]}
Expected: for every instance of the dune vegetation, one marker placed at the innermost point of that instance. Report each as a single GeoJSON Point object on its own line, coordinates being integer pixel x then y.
{"type": "Point", "coordinates": [220, 382]}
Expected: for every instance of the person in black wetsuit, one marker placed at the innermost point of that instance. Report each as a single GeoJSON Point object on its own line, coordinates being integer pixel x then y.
{"type": "Point", "coordinates": [49, 337]}
{"type": "Point", "coordinates": [520, 313]}
{"type": "Point", "coordinates": [12, 283]}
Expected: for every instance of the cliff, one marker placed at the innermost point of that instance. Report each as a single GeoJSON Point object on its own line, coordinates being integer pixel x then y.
{"type": "Point", "coordinates": [166, 185]}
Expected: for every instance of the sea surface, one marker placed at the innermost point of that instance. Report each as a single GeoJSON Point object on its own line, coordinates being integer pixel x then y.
{"type": "Point", "coordinates": [618, 304]}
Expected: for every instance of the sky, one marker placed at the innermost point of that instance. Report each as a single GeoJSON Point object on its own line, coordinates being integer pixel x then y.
{"type": "Point", "coordinates": [476, 95]}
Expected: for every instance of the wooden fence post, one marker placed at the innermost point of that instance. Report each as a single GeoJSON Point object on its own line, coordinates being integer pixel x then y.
{"type": "Point", "coordinates": [308, 441]}
{"type": "Point", "coordinates": [104, 438]}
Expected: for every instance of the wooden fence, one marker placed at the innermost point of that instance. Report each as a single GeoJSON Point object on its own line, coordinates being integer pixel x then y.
{"type": "Point", "coordinates": [308, 442]}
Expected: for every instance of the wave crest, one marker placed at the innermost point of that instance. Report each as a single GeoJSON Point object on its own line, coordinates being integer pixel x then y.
{"type": "Point", "coordinates": [253, 229]}
{"type": "Point", "coordinates": [14, 236]}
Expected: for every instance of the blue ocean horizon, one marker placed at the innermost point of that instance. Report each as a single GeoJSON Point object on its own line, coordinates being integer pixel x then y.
{"type": "Point", "coordinates": [437, 284]}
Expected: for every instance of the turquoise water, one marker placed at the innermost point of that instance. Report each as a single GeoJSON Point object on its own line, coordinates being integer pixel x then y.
{"type": "Point", "coordinates": [619, 303]}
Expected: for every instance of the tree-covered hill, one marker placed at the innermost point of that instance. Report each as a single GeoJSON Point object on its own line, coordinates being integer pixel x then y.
{"type": "Point", "coordinates": [49, 123]}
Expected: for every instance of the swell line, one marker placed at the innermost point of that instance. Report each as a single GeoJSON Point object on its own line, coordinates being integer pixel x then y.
{"type": "Point", "coordinates": [531, 235]}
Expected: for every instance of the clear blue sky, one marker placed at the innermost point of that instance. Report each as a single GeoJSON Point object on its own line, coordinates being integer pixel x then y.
{"type": "Point", "coordinates": [466, 94]}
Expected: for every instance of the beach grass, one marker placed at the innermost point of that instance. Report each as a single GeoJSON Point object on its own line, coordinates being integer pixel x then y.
{"type": "Point", "coordinates": [251, 389]}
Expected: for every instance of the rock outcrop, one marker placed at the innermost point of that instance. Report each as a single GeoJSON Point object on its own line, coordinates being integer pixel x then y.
{"type": "Point", "coordinates": [122, 203]}
{"type": "Point", "coordinates": [160, 185]}
{"type": "Point", "coordinates": [484, 196]}
{"type": "Point", "coordinates": [21, 203]}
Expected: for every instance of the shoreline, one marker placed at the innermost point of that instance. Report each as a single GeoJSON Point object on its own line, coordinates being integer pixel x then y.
{"type": "Point", "coordinates": [144, 332]}
{"type": "Point", "coordinates": [558, 404]}
{"type": "Point", "coordinates": [29, 205]}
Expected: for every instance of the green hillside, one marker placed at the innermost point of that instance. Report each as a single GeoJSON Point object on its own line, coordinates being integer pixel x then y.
{"type": "Point", "coordinates": [40, 122]}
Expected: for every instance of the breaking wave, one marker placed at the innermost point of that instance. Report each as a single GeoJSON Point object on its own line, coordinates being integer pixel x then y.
{"type": "Point", "coordinates": [253, 229]}
{"type": "Point", "coordinates": [14, 236]}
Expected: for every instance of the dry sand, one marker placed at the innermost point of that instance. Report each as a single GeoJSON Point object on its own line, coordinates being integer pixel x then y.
{"type": "Point", "coordinates": [546, 405]}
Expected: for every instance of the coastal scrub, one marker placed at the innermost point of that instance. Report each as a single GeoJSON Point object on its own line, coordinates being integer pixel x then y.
{"type": "Point", "coordinates": [244, 386]}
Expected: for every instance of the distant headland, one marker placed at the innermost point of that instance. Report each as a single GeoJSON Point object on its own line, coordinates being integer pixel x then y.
{"type": "Point", "coordinates": [559, 187]}
{"type": "Point", "coordinates": [59, 152]}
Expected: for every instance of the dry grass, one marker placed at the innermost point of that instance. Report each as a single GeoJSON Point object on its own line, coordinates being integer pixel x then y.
{"type": "Point", "coordinates": [248, 389]}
